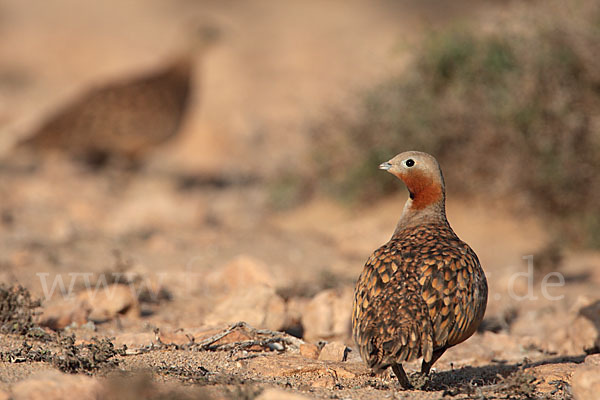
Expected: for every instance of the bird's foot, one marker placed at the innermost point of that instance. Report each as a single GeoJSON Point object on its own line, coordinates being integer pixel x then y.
{"type": "Point", "coordinates": [402, 386]}
{"type": "Point", "coordinates": [402, 378]}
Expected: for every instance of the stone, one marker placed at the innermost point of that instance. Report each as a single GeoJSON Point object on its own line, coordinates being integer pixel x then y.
{"type": "Point", "coordinates": [280, 394]}
{"type": "Point", "coordinates": [285, 365]}
{"type": "Point", "coordinates": [309, 350]}
{"type": "Point", "coordinates": [59, 314]}
{"type": "Point", "coordinates": [109, 301]}
{"type": "Point", "coordinates": [341, 370]}
{"type": "Point", "coordinates": [242, 272]}
{"type": "Point", "coordinates": [135, 340]}
{"type": "Point", "coordinates": [258, 306]}
{"type": "Point", "coordinates": [54, 385]}
{"type": "Point", "coordinates": [548, 373]}
{"type": "Point", "coordinates": [333, 351]}
{"type": "Point", "coordinates": [592, 360]}
{"type": "Point", "coordinates": [178, 337]}
{"type": "Point", "coordinates": [327, 315]}
{"type": "Point", "coordinates": [295, 365]}
{"type": "Point", "coordinates": [352, 355]}
{"type": "Point", "coordinates": [325, 381]}
{"type": "Point", "coordinates": [295, 308]}
{"type": "Point", "coordinates": [200, 333]}
{"type": "Point", "coordinates": [583, 331]}
{"type": "Point", "coordinates": [233, 337]}
{"type": "Point", "coordinates": [586, 382]}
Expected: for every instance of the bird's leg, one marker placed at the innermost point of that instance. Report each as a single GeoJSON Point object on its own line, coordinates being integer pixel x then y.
{"type": "Point", "coordinates": [426, 366]}
{"type": "Point", "coordinates": [401, 375]}
{"type": "Point", "coordinates": [421, 380]}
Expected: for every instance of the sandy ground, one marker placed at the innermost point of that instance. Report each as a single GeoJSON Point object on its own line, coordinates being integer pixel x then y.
{"type": "Point", "coordinates": [211, 253]}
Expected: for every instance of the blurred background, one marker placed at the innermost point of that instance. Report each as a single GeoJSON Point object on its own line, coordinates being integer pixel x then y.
{"type": "Point", "coordinates": [189, 143]}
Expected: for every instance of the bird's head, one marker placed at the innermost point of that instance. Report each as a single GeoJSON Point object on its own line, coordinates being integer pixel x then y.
{"type": "Point", "coordinates": [422, 176]}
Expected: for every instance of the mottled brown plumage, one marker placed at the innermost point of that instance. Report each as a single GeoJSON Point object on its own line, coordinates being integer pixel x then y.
{"type": "Point", "coordinates": [127, 118]}
{"type": "Point", "coordinates": [424, 291]}
{"type": "Point", "coordinates": [123, 119]}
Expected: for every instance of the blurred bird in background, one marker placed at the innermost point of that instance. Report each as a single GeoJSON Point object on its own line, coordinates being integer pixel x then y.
{"type": "Point", "coordinates": [125, 120]}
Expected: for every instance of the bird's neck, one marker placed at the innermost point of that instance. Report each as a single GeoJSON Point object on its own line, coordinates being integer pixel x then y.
{"type": "Point", "coordinates": [423, 208]}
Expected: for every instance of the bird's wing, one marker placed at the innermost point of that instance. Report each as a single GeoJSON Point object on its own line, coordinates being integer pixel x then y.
{"type": "Point", "coordinates": [390, 318]}
{"type": "Point", "coordinates": [452, 286]}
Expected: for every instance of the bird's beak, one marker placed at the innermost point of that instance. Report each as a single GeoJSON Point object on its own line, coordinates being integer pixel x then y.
{"type": "Point", "coordinates": [385, 166]}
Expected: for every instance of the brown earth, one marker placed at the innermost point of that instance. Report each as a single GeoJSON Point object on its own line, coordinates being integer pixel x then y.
{"type": "Point", "coordinates": [177, 261]}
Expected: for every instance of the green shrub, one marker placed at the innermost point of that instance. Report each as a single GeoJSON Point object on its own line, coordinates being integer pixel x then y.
{"type": "Point", "coordinates": [507, 114]}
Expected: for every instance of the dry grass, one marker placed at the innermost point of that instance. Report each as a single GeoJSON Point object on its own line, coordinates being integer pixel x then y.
{"type": "Point", "coordinates": [17, 310]}
{"type": "Point", "coordinates": [64, 354]}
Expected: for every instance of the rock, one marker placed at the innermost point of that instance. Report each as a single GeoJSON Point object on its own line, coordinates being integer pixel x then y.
{"type": "Point", "coordinates": [109, 301]}
{"type": "Point", "coordinates": [200, 333]}
{"type": "Point", "coordinates": [284, 365]}
{"type": "Point", "coordinates": [592, 360]}
{"type": "Point", "coordinates": [134, 340]}
{"type": "Point", "coordinates": [242, 272]}
{"type": "Point", "coordinates": [334, 351]}
{"type": "Point", "coordinates": [327, 315]}
{"type": "Point", "coordinates": [178, 337]}
{"type": "Point", "coordinates": [342, 370]}
{"type": "Point", "coordinates": [325, 381]}
{"type": "Point", "coordinates": [280, 394]}
{"type": "Point", "coordinates": [235, 336]}
{"type": "Point", "coordinates": [288, 365]}
{"type": "Point", "coordinates": [583, 332]}
{"type": "Point", "coordinates": [295, 308]}
{"type": "Point", "coordinates": [258, 306]}
{"type": "Point", "coordinates": [309, 350]}
{"type": "Point", "coordinates": [55, 385]}
{"type": "Point", "coordinates": [500, 345]}
{"type": "Point", "coordinates": [548, 373]}
{"type": "Point", "coordinates": [586, 382]}
{"type": "Point", "coordinates": [352, 355]}
{"type": "Point", "coordinates": [59, 314]}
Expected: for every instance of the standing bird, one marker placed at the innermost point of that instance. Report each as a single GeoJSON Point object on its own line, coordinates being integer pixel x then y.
{"type": "Point", "coordinates": [424, 291]}
{"type": "Point", "coordinates": [125, 119]}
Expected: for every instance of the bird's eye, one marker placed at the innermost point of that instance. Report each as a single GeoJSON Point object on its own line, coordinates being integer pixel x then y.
{"type": "Point", "coordinates": [409, 163]}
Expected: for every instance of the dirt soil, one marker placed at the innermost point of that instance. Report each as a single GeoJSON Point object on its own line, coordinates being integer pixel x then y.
{"type": "Point", "coordinates": [190, 244]}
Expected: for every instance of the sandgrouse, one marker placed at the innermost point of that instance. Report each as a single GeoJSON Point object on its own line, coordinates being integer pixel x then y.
{"type": "Point", "coordinates": [127, 118]}
{"type": "Point", "coordinates": [424, 291]}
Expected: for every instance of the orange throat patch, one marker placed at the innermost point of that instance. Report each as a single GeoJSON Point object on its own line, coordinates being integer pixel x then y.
{"type": "Point", "coordinates": [424, 191]}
